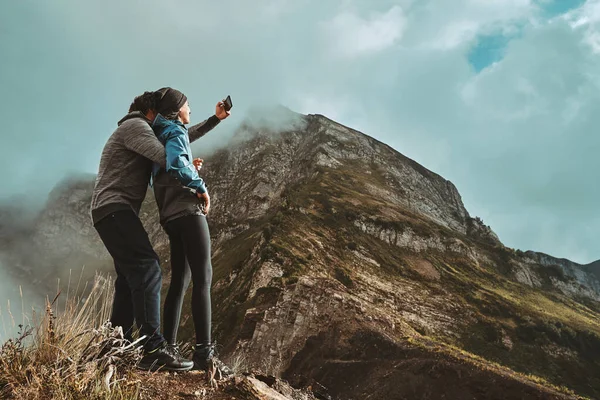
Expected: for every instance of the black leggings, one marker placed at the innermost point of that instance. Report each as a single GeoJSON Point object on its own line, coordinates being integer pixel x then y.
{"type": "Point", "coordinates": [190, 260]}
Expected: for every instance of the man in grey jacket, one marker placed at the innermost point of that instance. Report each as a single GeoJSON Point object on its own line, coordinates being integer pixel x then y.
{"type": "Point", "coordinates": [120, 188]}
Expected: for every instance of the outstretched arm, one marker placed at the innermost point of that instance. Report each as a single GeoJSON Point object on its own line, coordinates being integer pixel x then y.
{"type": "Point", "coordinates": [197, 131]}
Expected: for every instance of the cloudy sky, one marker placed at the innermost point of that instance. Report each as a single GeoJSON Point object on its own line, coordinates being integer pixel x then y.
{"type": "Point", "coordinates": [497, 96]}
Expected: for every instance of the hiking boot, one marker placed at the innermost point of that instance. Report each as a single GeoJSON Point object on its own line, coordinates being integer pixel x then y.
{"type": "Point", "coordinates": [205, 359]}
{"type": "Point", "coordinates": [167, 358]}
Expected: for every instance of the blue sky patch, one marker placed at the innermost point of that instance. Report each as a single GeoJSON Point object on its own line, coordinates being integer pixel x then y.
{"type": "Point", "coordinates": [491, 48]}
{"type": "Point", "coordinates": [553, 8]}
{"type": "Point", "coordinates": [488, 50]}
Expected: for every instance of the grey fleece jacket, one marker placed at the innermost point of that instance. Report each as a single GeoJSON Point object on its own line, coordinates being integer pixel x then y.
{"type": "Point", "coordinates": [126, 164]}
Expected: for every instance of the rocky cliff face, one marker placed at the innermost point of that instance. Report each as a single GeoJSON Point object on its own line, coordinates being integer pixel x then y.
{"type": "Point", "coordinates": [253, 176]}
{"type": "Point", "coordinates": [570, 278]}
{"type": "Point", "coordinates": [338, 260]}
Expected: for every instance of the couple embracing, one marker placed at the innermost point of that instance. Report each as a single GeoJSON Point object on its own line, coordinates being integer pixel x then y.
{"type": "Point", "coordinates": [152, 145]}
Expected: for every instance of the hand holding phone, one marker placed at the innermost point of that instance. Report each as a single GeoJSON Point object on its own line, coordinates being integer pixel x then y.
{"type": "Point", "coordinates": [227, 103]}
{"type": "Point", "coordinates": [223, 108]}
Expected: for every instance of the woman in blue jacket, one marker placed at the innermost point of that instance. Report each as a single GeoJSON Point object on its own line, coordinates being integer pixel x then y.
{"type": "Point", "coordinates": [183, 202]}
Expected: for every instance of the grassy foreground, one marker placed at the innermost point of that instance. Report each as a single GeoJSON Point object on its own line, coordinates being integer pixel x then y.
{"type": "Point", "coordinates": [71, 353]}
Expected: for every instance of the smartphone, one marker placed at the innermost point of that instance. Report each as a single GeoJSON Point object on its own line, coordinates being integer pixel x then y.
{"type": "Point", "coordinates": [227, 103]}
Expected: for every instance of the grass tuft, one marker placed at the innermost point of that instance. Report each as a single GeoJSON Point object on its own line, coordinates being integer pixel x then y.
{"type": "Point", "coordinates": [71, 354]}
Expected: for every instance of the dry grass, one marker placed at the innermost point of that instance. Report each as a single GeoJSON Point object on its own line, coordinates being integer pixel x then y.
{"type": "Point", "coordinates": [71, 354]}
{"type": "Point", "coordinates": [238, 361]}
{"type": "Point", "coordinates": [433, 344]}
{"type": "Point", "coordinates": [569, 312]}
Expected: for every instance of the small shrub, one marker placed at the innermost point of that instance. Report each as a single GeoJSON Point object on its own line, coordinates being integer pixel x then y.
{"type": "Point", "coordinates": [555, 271]}
{"type": "Point", "coordinates": [268, 252]}
{"type": "Point", "coordinates": [292, 280]}
{"type": "Point", "coordinates": [278, 218]}
{"type": "Point", "coordinates": [344, 278]}
{"type": "Point", "coordinates": [268, 233]}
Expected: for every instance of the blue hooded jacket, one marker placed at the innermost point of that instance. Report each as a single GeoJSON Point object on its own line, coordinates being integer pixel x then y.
{"type": "Point", "coordinates": [174, 136]}
{"type": "Point", "coordinates": [176, 186]}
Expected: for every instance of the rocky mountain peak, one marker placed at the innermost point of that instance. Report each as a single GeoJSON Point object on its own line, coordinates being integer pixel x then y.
{"type": "Point", "coordinates": [313, 142]}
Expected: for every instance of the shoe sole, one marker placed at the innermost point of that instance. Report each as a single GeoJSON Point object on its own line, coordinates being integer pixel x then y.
{"type": "Point", "coordinates": [155, 367]}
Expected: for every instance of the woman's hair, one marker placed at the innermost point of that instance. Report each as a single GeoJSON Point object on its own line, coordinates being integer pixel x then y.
{"type": "Point", "coordinates": [145, 102]}
{"type": "Point", "coordinates": [172, 116]}
{"type": "Point", "coordinates": [169, 101]}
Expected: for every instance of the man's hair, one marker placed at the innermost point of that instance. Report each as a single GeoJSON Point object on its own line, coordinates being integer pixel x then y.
{"type": "Point", "coordinates": [144, 103]}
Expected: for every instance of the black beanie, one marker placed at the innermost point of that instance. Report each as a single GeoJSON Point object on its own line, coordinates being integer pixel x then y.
{"type": "Point", "coordinates": [169, 101]}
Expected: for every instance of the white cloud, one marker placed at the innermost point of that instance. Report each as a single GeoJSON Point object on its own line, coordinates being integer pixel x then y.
{"type": "Point", "coordinates": [587, 14]}
{"type": "Point", "coordinates": [457, 33]}
{"type": "Point", "coordinates": [587, 19]}
{"type": "Point", "coordinates": [445, 26]}
{"type": "Point", "coordinates": [351, 35]}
